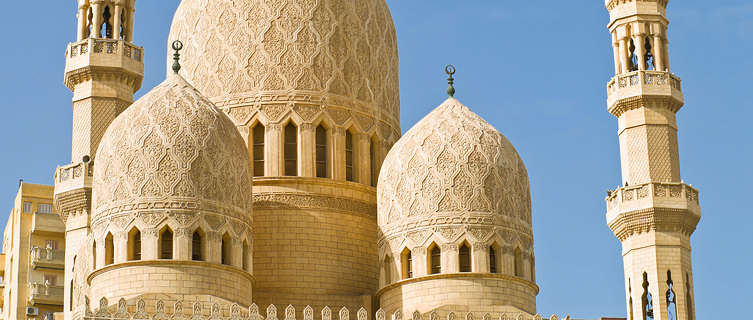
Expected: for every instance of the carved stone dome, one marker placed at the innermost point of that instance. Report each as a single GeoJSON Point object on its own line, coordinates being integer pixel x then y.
{"type": "Point", "coordinates": [453, 175]}
{"type": "Point", "coordinates": [172, 150]}
{"type": "Point", "coordinates": [340, 52]}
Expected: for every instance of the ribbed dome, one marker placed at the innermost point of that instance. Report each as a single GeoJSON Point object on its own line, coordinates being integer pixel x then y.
{"type": "Point", "coordinates": [172, 150]}
{"type": "Point", "coordinates": [340, 51]}
{"type": "Point", "coordinates": [454, 168]}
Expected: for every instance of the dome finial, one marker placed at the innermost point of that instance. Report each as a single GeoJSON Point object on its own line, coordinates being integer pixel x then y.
{"type": "Point", "coordinates": [450, 70]}
{"type": "Point", "coordinates": [177, 46]}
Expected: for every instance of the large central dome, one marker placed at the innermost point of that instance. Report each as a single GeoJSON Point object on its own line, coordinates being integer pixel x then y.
{"type": "Point", "coordinates": [343, 52]}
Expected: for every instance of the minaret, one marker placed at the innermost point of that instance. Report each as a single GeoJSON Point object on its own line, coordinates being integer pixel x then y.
{"type": "Point", "coordinates": [654, 213]}
{"type": "Point", "coordinates": [103, 69]}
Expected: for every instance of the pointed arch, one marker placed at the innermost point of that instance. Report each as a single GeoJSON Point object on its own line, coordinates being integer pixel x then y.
{"type": "Point", "coordinates": [464, 257]}
{"type": "Point", "coordinates": [134, 244]}
{"type": "Point", "coordinates": [494, 258]}
{"type": "Point", "coordinates": [518, 262]}
{"type": "Point", "coordinates": [197, 245]}
{"type": "Point", "coordinates": [647, 303]}
{"type": "Point", "coordinates": [165, 243]}
{"type": "Point", "coordinates": [226, 249]}
{"type": "Point", "coordinates": [107, 22]}
{"type": "Point", "coordinates": [94, 254]}
{"type": "Point", "coordinates": [350, 163]}
{"type": "Point", "coordinates": [434, 259]}
{"type": "Point", "coordinates": [258, 134]}
{"type": "Point", "coordinates": [109, 249]}
{"type": "Point", "coordinates": [406, 262]}
{"type": "Point", "coordinates": [290, 150]}
{"type": "Point", "coordinates": [671, 298]}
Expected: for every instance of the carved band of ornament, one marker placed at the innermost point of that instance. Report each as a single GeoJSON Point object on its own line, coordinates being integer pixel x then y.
{"type": "Point", "coordinates": [168, 206]}
{"type": "Point", "coordinates": [393, 229]}
{"type": "Point", "coordinates": [276, 201]}
{"type": "Point", "coordinates": [88, 73]}
{"type": "Point", "coordinates": [177, 222]}
{"type": "Point", "coordinates": [631, 103]}
{"type": "Point", "coordinates": [654, 219]}
{"type": "Point", "coordinates": [660, 190]}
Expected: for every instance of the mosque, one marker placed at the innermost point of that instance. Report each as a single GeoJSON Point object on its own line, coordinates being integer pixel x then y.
{"type": "Point", "coordinates": [267, 176]}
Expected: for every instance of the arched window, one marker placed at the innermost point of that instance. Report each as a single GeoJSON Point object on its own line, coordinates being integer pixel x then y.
{"type": "Point", "coordinates": [227, 249]}
{"type": "Point", "coordinates": [671, 298]}
{"type": "Point", "coordinates": [108, 25]}
{"type": "Point", "coordinates": [134, 244]}
{"type": "Point", "coordinates": [464, 257]}
{"type": "Point", "coordinates": [633, 57]}
{"type": "Point", "coordinates": [647, 302]}
{"type": "Point", "coordinates": [518, 263]}
{"type": "Point", "coordinates": [373, 163]}
{"type": "Point", "coordinates": [649, 56]}
{"type": "Point", "coordinates": [291, 150]}
{"type": "Point", "coordinates": [492, 259]}
{"type": "Point", "coordinates": [257, 148]}
{"type": "Point", "coordinates": [166, 243]}
{"type": "Point", "coordinates": [122, 31]}
{"type": "Point", "coordinates": [406, 260]}
{"type": "Point", "coordinates": [321, 152]}
{"type": "Point", "coordinates": [349, 167]}
{"type": "Point", "coordinates": [387, 264]}
{"type": "Point", "coordinates": [245, 255]}
{"type": "Point", "coordinates": [109, 250]}
{"type": "Point", "coordinates": [197, 246]}
{"type": "Point", "coordinates": [688, 298]}
{"type": "Point", "coordinates": [435, 259]}
{"type": "Point", "coordinates": [94, 254]}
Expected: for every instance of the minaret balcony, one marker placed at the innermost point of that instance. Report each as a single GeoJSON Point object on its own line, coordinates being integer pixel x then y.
{"type": "Point", "coordinates": [637, 85]}
{"type": "Point", "coordinates": [73, 185]}
{"type": "Point", "coordinates": [107, 55]}
{"type": "Point", "coordinates": [641, 200]}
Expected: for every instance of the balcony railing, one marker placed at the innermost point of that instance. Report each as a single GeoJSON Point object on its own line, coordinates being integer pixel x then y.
{"type": "Point", "coordinates": [643, 82]}
{"type": "Point", "coordinates": [42, 293]}
{"type": "Point", "coordinates": [656, 194]}
{"type": "Point", "coordinates": [47, 258]}
{"type": "Point", "coordinates": [105, 46]}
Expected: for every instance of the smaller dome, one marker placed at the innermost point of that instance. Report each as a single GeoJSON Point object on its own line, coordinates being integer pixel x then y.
{"type": "Point", "coordinates": [172, 150]}
{"type": "Point", "coordinates": [454, 169]}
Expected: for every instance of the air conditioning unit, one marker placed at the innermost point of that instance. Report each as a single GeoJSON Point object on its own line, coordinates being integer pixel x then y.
{"type": "Point", "coordinates": [32, 311]}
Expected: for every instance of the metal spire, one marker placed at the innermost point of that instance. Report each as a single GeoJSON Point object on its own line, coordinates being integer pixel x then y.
{"type": "Point", "coordinates": [450, 70]}
{"type": "Point", "coordinates": [177, 46]}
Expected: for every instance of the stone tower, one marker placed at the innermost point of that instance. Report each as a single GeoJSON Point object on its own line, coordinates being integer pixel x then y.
{"type": "Point", "coordinates": [104, 70]}
{"type": "Point", "coordinates": [313, 88]}
{"type": "Point", "coordinates": [654, 213]}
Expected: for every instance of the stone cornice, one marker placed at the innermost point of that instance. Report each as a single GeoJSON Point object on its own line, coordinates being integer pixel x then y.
{"type": "Point", "coordinates": [654, 219]}
{"type": "Point", "coordinates": [466, 275]}
{"type": "Point", "coordinates": [89, 73]}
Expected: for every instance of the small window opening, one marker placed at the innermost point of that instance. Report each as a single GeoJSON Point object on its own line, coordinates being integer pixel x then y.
{"type": "Point", "coordinates": [123, 20]}
{"type": "Point", "coordinates": [349, 168]}
{"type": "Point", "coordinates": [492, 259]}
{"type": "Point", "coordinates": [387, 270]}
{"type": "Point", "coordinates": [107, 23]}
{"type": "Point", "coordinates": [134, 244]}
{"type": "Point", "coordinates": [197, 246]}
{"type": "Point", "coordinates": [245, 255]}
{"type": "Point", "coordinates": [109, 250]}
{"type": "Point", "coordinates": [166, 244]}
{"type": "Point", "coordinates": [373, 163]}
{"type": "Point", "coordinates": [257, 149]}
{"type": "Point", "coordinates": [94, 255]}
{"type": "Point", "coordinates": [671, 298]}
{"type": "Point", "coordinates": [647, 300]}
{"type": "Point", "coordinates": [70, 299]}
{"type": "Point", "coordinates": [435, 260]}
{"type": "Point", "coordinates": [291, 150]}
{"type": "Point", "coordinates": [227, 249]}
{"type": "Point", "coordinates": [633, 56]}
{"type": "Point", "coordinates": [406, 258]}
{"type": "Point", "coordinates": [464, 255]}
{"type": "Point", "coordinates": [89, 19]}
{"type": "Point", "coordinates": [649, 56]}
{"type": "Point", "coordinates": [321, 152]}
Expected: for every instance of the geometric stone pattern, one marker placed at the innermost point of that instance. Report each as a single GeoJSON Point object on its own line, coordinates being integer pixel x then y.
{"type": "Point", "coordinates": [453, 168]}
{"type": "Point", "coordinates": [651, 154]}
{"type": "Point", "coordinates": [172, 149]}
{"type": "Point", "coordinates": [303, 53]}
{"type": "Point", "coordinates": [90, 119]}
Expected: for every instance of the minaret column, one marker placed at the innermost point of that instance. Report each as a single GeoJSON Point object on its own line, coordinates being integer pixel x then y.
{"type": "Point", "coordinates": [274, 143]}
{"type": "Point", "coordinates": [338, 156]}
{"type": "Point", "coordinates": [308, 150]}
{"type": "Point", "coordinates": [616, 52]}
{"type": "Point", "coordinates": [116, 22]}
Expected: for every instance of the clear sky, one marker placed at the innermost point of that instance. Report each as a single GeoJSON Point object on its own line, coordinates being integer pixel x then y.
{"type": "Point", "coordinates": [534, 69]}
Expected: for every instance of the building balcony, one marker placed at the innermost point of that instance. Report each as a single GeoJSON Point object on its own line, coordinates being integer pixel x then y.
{"type": "Point", "coordinates": [40, 293]}
{"type": "Point", "coordinates": [104, 54]}
{"type": "Point", "coordinates": [652, 195]}
{"type": "Point", "coordinates": [47, 258]}
{"type": "Point", "coordinates": [47, 224]}
{"type": "Point", "coordinates": [643, 83]}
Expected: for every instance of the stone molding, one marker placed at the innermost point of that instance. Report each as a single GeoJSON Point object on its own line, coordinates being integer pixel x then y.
{"type": "Point", "coordinates": [146, 263]}
{"type": "Point", "coordinates": [476, 275]}
{"type": "Point", "coordinates": [654, 219]}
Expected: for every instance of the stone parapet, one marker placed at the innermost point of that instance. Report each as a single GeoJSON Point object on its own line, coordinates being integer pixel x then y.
{"type": "Point", "coordinates": [107, 59]}
{"type": "Point", "coordinates": [653, 206]}
{"type": "Point", "coordinates": [216, 311]}
{"type": "Point", "coordinates": [73, 189]}
{"type": "Point", "coordinates": [626, 91]}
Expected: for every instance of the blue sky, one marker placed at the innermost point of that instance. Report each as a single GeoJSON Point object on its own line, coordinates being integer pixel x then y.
{"type": "Point", "coordinates": [534, 69]}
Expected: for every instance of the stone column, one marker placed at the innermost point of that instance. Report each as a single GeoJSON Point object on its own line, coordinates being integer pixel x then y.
{"type": "Point", "coordinates": [450, 258]}
{"type": "Point", "coordinates": [624, 55]}
{"type": "Point", "coordinates": [658, 54]}
{"type": "Point", "coordinates": [116, 22]}
{"type": "Point", "coordinates": [101, 249]}
{"type": "Point", "coordinates": [213, 247]}
{"type": "Point", "coordinates": [236, 257]}
{"type": "Point", "coordinates": [82, 18]}
{"type": "Point", "coordinates": [307, 150]}
{"type": "Point", "coordinates": [149, 244]}
{"type": "Point", "coordinates": [182, 244]}
{"type": "Point", "coordinates": [362, 158]}
{"type": "Point", "coordinates": [640, 48]}
{"type": "Point", "coordinates": [616, 51]}
{"type": "Point", "coordinates": [338, 153]}
{"type": "Point", "coordinates": [96, 20]}
{"type": "Point", "coordinates": [420, 262]}
{"type": "Point", "coordinates": [274, 144]}
{"type": "Point", "coordinates": [508, 261]}
{"type": "Point", "coordinates": [129, 30]}
{"type": "Point", "coordinates": [480, 259]}
{"type": "Point", "coordinates": [120, 247]}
